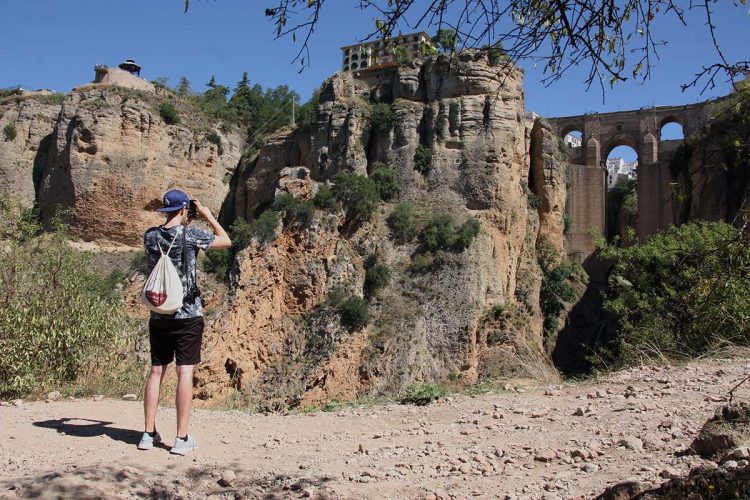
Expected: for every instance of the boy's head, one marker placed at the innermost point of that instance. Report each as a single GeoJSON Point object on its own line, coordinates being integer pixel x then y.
{"type": "Point", "coordinates": [176, 204]}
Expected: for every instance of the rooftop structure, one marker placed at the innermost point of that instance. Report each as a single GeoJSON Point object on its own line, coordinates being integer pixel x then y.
{"type": "Point", "coordinates": [131, 67]}
{"type": "Point", "coordinates": [387, 52]}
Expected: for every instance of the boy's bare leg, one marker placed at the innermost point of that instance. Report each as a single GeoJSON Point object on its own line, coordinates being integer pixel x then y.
{"type": "Point", "coordinates": [184, 398]}
{"type": "Point", "coordinates": [151, 396]}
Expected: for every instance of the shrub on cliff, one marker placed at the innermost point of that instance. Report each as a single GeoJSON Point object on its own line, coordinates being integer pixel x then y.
{"type": "Point", "coordinates": [354, 313]}
{"type": "Point", "coordinates": [385, 181]}
{"type": "Point", "coordinates": [381, 118]}
{"type": "Point", "coordinates": [441, 233]}
{"type": "Point", "coordinates": [423, 160]}
{"type": "Point", "coordinates": [358, 194]}
{"type": "Point", "coordinates": [556, 291]}
{"type": "Point", "coordinates": [294, 211]}
{"type": "Point", "coordinates": [9, 131]}
{"type": "Point", "coordinates": [681, 294]}
{"type": "Point", "coordinates": [61, 323]}
{"type": "Point", "coordinates": [377, 274]}
{"type": "Point", "coordinates": [325, 200]}
{"type": "Point", "coordinates": [401, 223]}
{"type": "Point", "coordinates": [214, 138]}
{"type": "Point", "coordinates": [169, 113]}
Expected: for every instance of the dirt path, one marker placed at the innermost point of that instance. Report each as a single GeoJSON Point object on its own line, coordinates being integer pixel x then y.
{"type": "Point", "coordinates": [542, 442]}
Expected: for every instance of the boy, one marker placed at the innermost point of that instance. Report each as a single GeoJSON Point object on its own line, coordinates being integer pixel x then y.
{"type": "Point", "coordinates": [177, 336]}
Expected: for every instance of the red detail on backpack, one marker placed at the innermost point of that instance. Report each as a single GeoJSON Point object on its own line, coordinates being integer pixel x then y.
{"type": "Point", "coordinates": [156, 298]}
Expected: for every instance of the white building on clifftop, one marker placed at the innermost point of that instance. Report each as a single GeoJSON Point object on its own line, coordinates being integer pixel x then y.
{"type": "Point", "coordinates": [387, 52]}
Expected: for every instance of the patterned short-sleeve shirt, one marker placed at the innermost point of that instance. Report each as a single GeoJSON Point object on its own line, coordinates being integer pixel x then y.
{"type": "Point", "coordinates": [195, 239]}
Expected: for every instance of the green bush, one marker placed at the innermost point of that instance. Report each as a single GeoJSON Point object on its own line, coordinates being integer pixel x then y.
{"type": "Point", "coordinates": [294, 210]}
{"type": "Point", "coordinates": [169, 113]}
{"type": "Point", "coordinates": [556, 290]}
{"type": "Point", "coordinates": [401, 223]}
{"type": "Point", "coordinates": [60, 321]}
{"type": "Point", "coordinates": [567, 223]}
{"type": "Point", "coordinates": [218, 263]}
{"type": "Point", "coordinates": [496, 53]}
{"type": "Point", "coordinates": [680, 295]}
{"type": "Point", "coordinates": [466, 234]}
{"type": "Point", "coordinates": [55, 98]}
{"type": "Point", "coordinates": [439, 233]}
{"type": "Point", "coordinates": [325, 200]}
{"type": "Point", "coordinates": [423, 262]}
{"type": "Point", "coordinates": [385, 181]}
{"type": "Point", "coordinates": [381, 118]}
{"type": "Point", "coordinates": [264, 227]}
{"type": "Point", "coordinates": [422, 394]}
{"type": "Point", "coordinates": [358, 195]}
{"type": "Point", "coordinates": [214, 138]}
{"type": "Point", "coordinates": [423, 160]}
{"type": "Point", "coordinates": [377, 274]}
{"type": "Point", "coordinates": [354, 313]}
{"type": "Point", "coordinates": [534, 201]}
{"type": "Point", "coordinates": [9, 131]}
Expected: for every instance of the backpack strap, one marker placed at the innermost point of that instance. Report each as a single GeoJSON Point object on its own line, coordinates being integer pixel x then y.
{"type": "Point", "coordinates": [170, 245]}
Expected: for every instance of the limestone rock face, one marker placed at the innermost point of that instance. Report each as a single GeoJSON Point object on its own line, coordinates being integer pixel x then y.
{"type": "Point", "coordinates": [428, 326]}
{"type": "Point", "coordinates": [274, 286]}
{"type": "Point", "coordinates": [112, 157]}
{"type": "Point", "coordinates": [22, 158]}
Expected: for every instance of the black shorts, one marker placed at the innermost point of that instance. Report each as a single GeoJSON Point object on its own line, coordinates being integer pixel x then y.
{"type": "Point", "coordinates": [175, 337]}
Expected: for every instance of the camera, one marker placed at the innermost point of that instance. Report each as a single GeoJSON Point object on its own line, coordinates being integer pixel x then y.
{"type": "Point", "coordinates": [192, 210]}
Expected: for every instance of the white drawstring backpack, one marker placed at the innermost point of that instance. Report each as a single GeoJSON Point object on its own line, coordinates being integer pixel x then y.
{"type": "Point", "coordinates": [163, 291]}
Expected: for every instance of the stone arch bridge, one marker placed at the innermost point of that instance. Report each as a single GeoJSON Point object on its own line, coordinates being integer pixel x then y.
{"type": "Point", "coordinates": [600, 134]}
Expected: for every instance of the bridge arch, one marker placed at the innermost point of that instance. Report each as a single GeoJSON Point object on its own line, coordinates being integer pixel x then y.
{"type": "Point", "coordinates": [620, 140]}
{"type": "Point", "coordinates": [671, 128]}
{"type": "Point", "coordinates": [571, 127]}
{"type": "Point", "coordinates": [676, 118]}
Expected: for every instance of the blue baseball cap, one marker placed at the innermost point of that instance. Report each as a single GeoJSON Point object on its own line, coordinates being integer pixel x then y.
{"type": "Point", "coordinates": [174, 200]}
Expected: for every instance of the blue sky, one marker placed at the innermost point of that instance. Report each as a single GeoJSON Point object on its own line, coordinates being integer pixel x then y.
{"type": "Point", "coordinates": [55, 44]}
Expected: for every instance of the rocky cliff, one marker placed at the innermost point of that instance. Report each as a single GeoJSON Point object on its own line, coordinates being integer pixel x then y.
{"type": "Point", "coordinates": [106, 153]}
{"type": "Point", "coordinates": [27, 122]}
{"type": "Point", "coordinates": [454, 133]}
{"type": "Point", "coordinates": [476, 315]}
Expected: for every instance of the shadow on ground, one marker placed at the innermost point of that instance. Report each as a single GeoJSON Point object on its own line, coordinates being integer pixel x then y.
{"type": "Point", "coordinates": [196, 482]}
{"type": "Point", "coordinates": [83, 427]}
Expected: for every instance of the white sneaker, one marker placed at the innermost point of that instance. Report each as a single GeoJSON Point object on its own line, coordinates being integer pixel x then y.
{"type": "Point", "coordinates": [148, 442]}
{"type": "Point", "coordinates": [184, 447]}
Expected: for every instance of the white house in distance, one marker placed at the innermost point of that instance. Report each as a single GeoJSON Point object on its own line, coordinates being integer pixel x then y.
{"type": "Point", "coordinates": [619, 170]}
{"type": "Point", "coordinates": [573, 141]}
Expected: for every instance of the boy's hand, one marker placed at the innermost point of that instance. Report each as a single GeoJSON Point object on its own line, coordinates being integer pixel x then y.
{"type": "Point", "coordinates": [203, 212]}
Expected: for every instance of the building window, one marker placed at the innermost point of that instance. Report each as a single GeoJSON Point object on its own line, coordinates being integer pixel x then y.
{"type": "Point", "coordinates": [347, 52]}
{"type": "Point", "coordinates": [355, 57]}
{"type": "Point", "coordinates": [346, 60]}
{"type": "Point", "coordinates": [354, 66]}
{"type": "Point", "coordinates": [363, 65]}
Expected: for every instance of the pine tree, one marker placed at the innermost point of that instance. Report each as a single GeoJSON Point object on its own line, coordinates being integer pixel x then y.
{"type": "Point", "coordinates": [183, 88]}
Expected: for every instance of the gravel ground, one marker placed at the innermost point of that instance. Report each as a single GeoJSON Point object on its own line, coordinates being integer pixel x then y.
{"type": "Point", "coordinates": [562, 441]}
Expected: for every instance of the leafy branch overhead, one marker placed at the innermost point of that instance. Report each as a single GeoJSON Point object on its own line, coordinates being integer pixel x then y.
{"type": "Point", "coordinates": [616, 41]}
